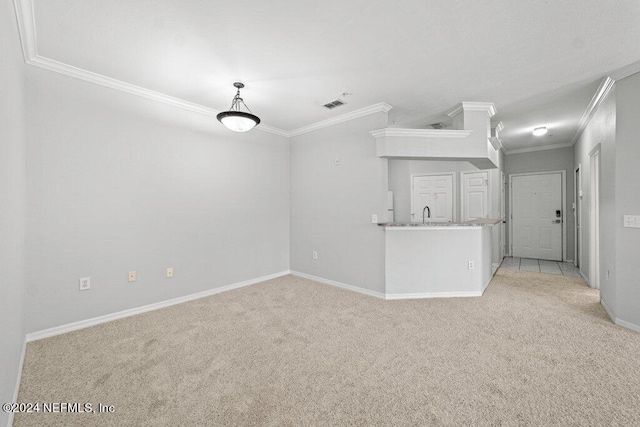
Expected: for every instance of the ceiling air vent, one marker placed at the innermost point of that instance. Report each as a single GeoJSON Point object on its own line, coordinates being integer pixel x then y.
{"type": "Point", "coordinates": [438, 125]}
{"type": "Point", "coordinates": [333, 104]}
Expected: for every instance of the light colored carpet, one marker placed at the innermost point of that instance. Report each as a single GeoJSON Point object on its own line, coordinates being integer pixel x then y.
{"type": "Point", "coordinates": [536, 349]}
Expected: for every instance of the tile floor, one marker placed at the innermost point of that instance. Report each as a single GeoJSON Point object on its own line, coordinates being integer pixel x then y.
{"type": "Point", "coordinates": [541, 266]}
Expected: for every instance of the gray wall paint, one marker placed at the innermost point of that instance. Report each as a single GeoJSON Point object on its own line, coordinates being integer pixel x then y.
{"type": "Point", "coordinates": [119, 183]}
{"type": "Point", "coordinates": [400, 172]}
{"type": "Point", "coordinates": [600, 130]}
{"type": "Point", "coordinates": [543, 161]}
{"type": "Point", "coordinates": [627, 198]}
{"type": "Point", "coordinates": [13, 181]}
{"type": "Point", "coordinates": [331, 206]}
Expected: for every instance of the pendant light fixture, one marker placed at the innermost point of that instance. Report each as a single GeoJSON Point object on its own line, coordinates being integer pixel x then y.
{"type": "Point", "coordinates": [236, 120]}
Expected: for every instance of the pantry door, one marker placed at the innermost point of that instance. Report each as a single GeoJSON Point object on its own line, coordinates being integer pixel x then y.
{"type": "Point", "coordinates": [434, 191]}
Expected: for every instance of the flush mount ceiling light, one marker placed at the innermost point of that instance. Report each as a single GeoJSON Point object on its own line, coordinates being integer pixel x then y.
{"type": "Point", "coordinates": [540, 131]}
{"type": "Point", "coordinates": [236, 120]}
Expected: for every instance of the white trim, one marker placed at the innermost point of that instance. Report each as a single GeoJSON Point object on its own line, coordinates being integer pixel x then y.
{"type": "Point", "coordinates": [569, 260]}
{"type": "Point", "coordinates": [564, 209]}
{"type": "Point", "coordinates": [433, 295]}
{"type": "Point", "coordinates": [594, 216]}
{"type": "Point", "coordinates": [496, 142]}
{"type": "Point", "coordinates": [626, 71]}
{"type": "Point", "coordinates": [27, 29]}
{"type": "Point", "coordinates": [497, 127]}
{"type": "Point", "coordinates": [489, 107]}
{"type": "Point", "coordinates": [421, 133]}
{"type": "Point", "coordinates": [605, 86]}
{"type": "Point", "coordinates": [88, 76]}
{"type": "Point", "coordinates": [454, 192]}
{"type": "Point", "coordinates": [608, 310]}
{"type": "Point", "coordinates": [627, 325]}
{"type": "Point", "coordinates": [539, 148]}
{"type": "Point", "coordinates": [584, 277]}
{"type": "Point", "coordinates": [62, 329]}
{"type": "Point", "coordinates": [381, 107]}
{"type": "Point", "coordinates": [339, 284]}
{"type": "Point", "coordinates": [16, 389]}
{"type": "Point", "coordinates": [577, 214]}
{"type": "Point", "coordinates": [489, 193]}
{"type": "Point", "coordinates": [617, 320]}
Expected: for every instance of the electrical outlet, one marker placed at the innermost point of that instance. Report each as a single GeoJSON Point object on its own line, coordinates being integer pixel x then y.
{"type": "Point", "coordinates": [471, 265]}
{"type": "Point", "coordinates": [85, 283]}
{"type": "Point", "coordinates": [132, 276]}
{"type": "Point", "coordinates": [169, 272]}
{"type": "Point", "coordinates": [374, 219]}
{"type": "Point", "coordinates": [314, 255]}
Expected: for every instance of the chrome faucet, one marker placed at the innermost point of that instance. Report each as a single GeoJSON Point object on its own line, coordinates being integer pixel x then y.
{"type": "Point", "coordinates": [428, 213]}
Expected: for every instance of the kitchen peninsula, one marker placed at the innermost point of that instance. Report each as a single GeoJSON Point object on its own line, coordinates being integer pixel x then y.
{"type": "Point", "coordinates": [438, 259]}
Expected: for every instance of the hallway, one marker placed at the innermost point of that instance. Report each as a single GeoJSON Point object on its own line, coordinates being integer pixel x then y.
{"type": "Point", "coordinates": [540, 266]}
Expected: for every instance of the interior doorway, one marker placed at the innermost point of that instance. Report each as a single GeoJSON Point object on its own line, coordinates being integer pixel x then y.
{"type": "Point", "coordinates": [432, 196]}
{"type": "Point", "coordinates": [537, 203]}
{"type": "Point", "coordinates": [577, 210]}
{"type": "Point", "coordinates": [594, 235]}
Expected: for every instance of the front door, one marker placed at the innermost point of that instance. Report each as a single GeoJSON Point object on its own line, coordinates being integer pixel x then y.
{"type": "Point", "coordinates": [434, 191]}
{"type": "Point", "coordinates": [537, 216]}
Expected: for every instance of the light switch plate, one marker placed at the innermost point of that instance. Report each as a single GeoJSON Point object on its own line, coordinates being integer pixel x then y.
{"type": "Point", "coordinates": [632, 221]}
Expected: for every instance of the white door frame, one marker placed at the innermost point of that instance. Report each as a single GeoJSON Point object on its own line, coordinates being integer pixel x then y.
{"type": "Point", "coordinates": [577, 214]}
{"type": "Point", "coordinates": [503, 214]}
{"type": "Point", "coordinates": [564, 208]}
{"type": "Point", "coordinates": [454, 194]}
{"type": "Point", "coordinates": [462, 174]}
{"type": "Point", "coordinates": [594, 222]}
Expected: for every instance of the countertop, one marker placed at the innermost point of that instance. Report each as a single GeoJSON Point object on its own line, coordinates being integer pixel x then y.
{"type": "Point", "coordinates": [479, 222]}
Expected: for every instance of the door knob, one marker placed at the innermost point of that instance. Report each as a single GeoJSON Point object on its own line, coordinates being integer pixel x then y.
{"type": "Point", "coordinates": [556, 221]}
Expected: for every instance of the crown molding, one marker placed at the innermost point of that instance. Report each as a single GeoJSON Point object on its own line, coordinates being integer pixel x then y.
{"type": "Point", "coordinates": [539, 148]}
{"type": "Point", "coordinates": [605, 86]}
{"type": "Point", "coordinates": [381, 107]}
{"type": "Point", "coordinates": [497, 126]}
{"type": "Point", "coordinates": [625, 71]}
{"type": "Point", "coordinates": [26, 28]}
{"type": "Point", "coordinates": [496, 142]}
{"type": "Point", "coordinates": [421, 133]}
{"type": "Point", "coordinates": [488, 107]}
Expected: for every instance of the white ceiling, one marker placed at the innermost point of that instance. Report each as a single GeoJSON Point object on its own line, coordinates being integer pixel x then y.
{"type": "Point", "coordinates": [539, 61]}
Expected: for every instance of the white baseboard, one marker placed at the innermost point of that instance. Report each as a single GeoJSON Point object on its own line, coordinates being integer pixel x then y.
{"type": "Point", "coordinates": [58, 330]}
{"type": "Point", "coordinates": [339, 284]}
{"type": "Point", "coordinates": [570, 260]}
{"type": "Point", "coordinates": [16, 389]}
{"type": "Point", "coordinates": [608, 310]}
{"type": "Point", "coordinates": [618, 321]}
{"type": "Point", "coordinates": [433, 295]}
{"type": "Point", "coordinates": [586, 279]}
{"type": "Point", "coordinates": [627, 325]}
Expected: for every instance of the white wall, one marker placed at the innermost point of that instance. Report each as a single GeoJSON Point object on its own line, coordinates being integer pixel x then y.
{"type": "Point", "coordinates": [12, 203]}
{"type": "Point", "coordinates": [543, 161]}
{"type": "Point", "coordinates": [119, 183]}
{"type": "Point", "coordinates": [627, 199]}
{"type": "Point", "coordinates": [600, 130]}
{"type": "Point", "coordinates": [331, 206]}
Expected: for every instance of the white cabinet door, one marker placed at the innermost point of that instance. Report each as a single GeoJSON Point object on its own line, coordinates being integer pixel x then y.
{"type": "Point", "coordinates": [475, 195]}
{"type": "Point", "coordinates": [434, 191]}
{"type": "Point", "coordinates": [537, 216]}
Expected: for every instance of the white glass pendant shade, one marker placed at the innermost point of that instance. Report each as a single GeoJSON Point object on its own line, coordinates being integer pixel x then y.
{"type": "Point", "coordinates": [236, 120]}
